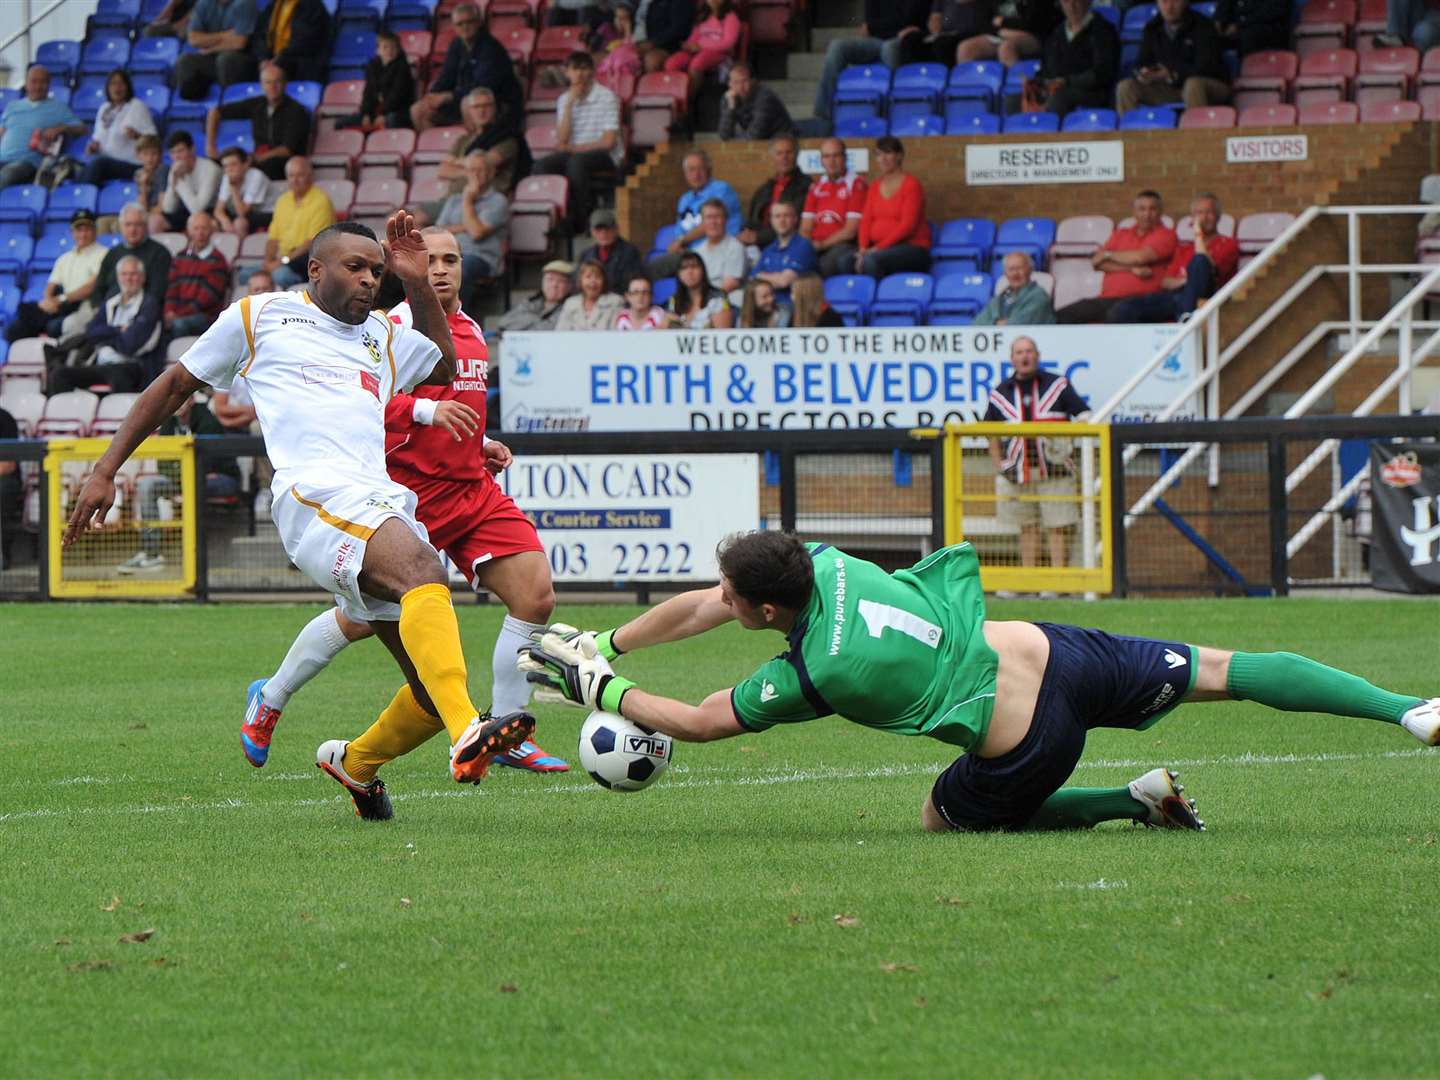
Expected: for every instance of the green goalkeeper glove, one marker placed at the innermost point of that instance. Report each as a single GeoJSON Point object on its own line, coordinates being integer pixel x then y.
{"type": "Point", "coordinates": [574, 669]}
{"type": "Point", "coordinates": [604, 640]}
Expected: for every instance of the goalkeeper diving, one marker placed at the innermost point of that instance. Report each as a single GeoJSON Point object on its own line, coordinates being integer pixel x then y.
{"type": "Point", "coordinates": [913, 654]}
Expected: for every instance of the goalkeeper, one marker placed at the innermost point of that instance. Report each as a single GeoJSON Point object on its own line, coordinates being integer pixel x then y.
{"type": "Point", "coordinates": [912, 653]}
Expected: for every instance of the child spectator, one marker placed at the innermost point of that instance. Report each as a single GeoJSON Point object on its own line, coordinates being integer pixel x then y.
{"type": "Point", "coordinates": [710, 44]}
{"type": "Point", "coordinates": [807, 301]}
{"type": "Point", "coordinates": [760, 311]}
{"type": "Point", "coordinates": [244, 193]}
{"type": "Point", "coordinates": [639, 312]}
{"type": "Point", "coordinates": [389, 88]}
{"type": "Point", "coordinates": [614, 44]}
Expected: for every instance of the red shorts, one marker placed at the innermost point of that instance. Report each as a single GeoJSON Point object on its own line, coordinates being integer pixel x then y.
{"type": "Point", "coordinates": [471, 521]}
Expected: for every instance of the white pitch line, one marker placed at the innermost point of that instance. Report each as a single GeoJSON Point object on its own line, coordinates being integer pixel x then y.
{"type": "Point", "coordinates": [789, 776]}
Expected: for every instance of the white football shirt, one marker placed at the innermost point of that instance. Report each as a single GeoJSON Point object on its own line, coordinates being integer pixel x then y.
{"type": "Point", "coordinates": [319, 385]}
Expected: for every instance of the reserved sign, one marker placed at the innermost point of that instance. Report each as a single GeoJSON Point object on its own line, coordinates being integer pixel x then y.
{"type": "Point", "coordinates": [1098, 162]}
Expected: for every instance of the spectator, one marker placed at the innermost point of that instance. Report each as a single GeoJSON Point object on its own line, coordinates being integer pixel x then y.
{"type": "Point", "coordinates": [191, 187]}
{"type": "Point", "coordinates": [124, 335]}
{"type": "Point", "coordinates": [66, 306]}
{"type": "Point", "coordinates": [711, 42]}
{"type": "Point", "coordinates": [750, 110]}
{"type": "Point", "coordinates": [151, 179]}
{"type": "Point", "coordinates": [480, 217]}
{"type": "Point", "coordinates": [1018, 29]}
{"type": "Point", "coordinates": [894, 235]}
{"type": "Point", "coordinates": [295, 36]}
{"type": "Point", "coordinates": [235, 409]}
{"type": "Point", "coordinates": [260, 281]}
{"type": "Point", "coordinates": [1257, 25]}
{"type": "Point", "coordinates": [786, 184]}
{"type": "Point", "coordinates": [662, 27]}
{"type": "Point", "coordinates": [788, 256]}
{"type": "Point", "coordinates": [881, 39]}
{"type": "Point", "coordinates": [120, 122]}
{"type": "Point", "coordinates": [1035, 477]}
{"type": "Point", "coordinates": [29, 125]}
{"type": "Point", "coordinates": [389, 88]}
{"type": "Point", "coordinates": [473, 59]}
{"type": "Point", "coordinates": [760, 311]}
{"type": "Point", "coordinates": [950, 22]}
{"type": "Point", "coordinates": [1130, 258]}
{"type": "Point", "coordinates": [279, 125]}
{"type": "Point", "coordinates": [1022, 302]}
{"type": "Point", "coordinates": [192, 418]}
{"type": "Point", "coordinates": [240, 204]}
{"type": "Point", "coordinates": [504, 146]}
{"type": "Point", "coordinates": [171, 21]}
{"type": "Point", "coordinates": [807, 301]}
{"type": "Point", "coordinates": [1078, 65]}
{"type": "Point", "coordinates": [620, 258]}
{"type": "Point", "coordinates": [199, 281]}
{"type": "Point", "coordinates": [696, 304]}
{"type": "Point", "coordinates": [593, 307]}
{"type": "Point", "coordinates": [703, 187]}
{"type": "Point", "coordinates": [639, 313]}
{"type": "Point", "coordinates": [1196, 271]}
{"type": "Point", "coordinates": [221, 30]}
{"type": "Point", "coordinates": [542, 310]}
{"type": "Point", "coordinates": [833, 208]}
{"type": "Point", "coordinates": [614, 43]}
{"type": "Point", "coordinates": [1179, 61]}
{"type": "Point", "coordinates": [1409, 22]}
{"type": "Point", "coordinates": [12, 494]}
{"type": "Point", "coordinates": [300, 213]}
{"type": "Point", "coordinates": [575, 13]}
{"type": "Point", "coordinates": [134, 240]}
{"type": "Point", "coordinates": [722, 254]}
{"type": "Point", "coordinates": [587, 136]}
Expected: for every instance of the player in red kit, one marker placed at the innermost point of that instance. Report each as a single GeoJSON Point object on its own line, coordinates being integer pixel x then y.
{"type": "Point", "coordinates": [435, 445]}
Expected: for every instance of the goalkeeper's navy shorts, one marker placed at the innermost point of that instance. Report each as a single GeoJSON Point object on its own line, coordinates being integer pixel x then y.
{"type": "Point", "coordinates": [1092, 679]}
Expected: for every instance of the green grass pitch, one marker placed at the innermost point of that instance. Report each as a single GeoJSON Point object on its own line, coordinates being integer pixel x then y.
{"type": "Point", "coordinates": [771, 908]}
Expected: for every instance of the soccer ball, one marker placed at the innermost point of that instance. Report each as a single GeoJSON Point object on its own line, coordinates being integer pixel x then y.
{"type": "Point", "coordinates": [620, 755]}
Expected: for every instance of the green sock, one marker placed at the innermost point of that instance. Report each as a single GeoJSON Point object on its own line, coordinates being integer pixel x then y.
{"type": "Point", "coordinates": [1082, 807]}
{"type": "Point", "coordinates": [1293, 683]}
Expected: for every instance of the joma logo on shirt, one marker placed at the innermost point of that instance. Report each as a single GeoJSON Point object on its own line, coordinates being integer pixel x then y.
{"type": "Point", "coordinates": [288, 319]}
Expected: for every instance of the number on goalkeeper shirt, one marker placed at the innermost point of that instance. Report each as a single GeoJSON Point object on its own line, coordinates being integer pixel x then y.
{"type": "Point", "coordinates": [881, 617]}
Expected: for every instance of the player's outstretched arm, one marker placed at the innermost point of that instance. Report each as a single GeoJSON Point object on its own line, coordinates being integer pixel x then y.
{"type": "Point", "coordinates": [712, 719]}
{"type": "Point", "coordinates": [409, 260]}
{"type": "Point", "coordinates": [161, 399]}
{"type": "Point", "coordinates": [675, 619]}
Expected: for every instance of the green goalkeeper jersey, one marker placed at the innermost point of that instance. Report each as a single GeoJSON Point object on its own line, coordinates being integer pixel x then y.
{"type": "Point", "coordinates": [902, 652]}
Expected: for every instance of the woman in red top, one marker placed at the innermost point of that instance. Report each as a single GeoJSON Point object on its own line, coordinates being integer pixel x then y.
{"type": "Point", "coordinates": [894, 235]}
{"type": "Point", "coordinates": [710, 44]}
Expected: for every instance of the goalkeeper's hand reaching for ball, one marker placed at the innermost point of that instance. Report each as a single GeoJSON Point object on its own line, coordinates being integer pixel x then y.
{"type": "Point", "coordinates": [570, 665]}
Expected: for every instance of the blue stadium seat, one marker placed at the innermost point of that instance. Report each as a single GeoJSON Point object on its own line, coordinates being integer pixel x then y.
{"type": "Point", "coordinates": [234, 133]}
{"type": "Point", "coordinates": [903, 112]}
{"type": "Point", "coordinates": [103, 55]}
{"type": "Point", "coordinates": [860, 127]}
{"type": "Point", "coordinates": [240, 91]}
{"type": "Point", "coordinates": [409, 15]}
{"type": "Point", "coordinates": [1089, 120]}
{"type": "Point", "coordinates": [60, 58]}
{"type": "Point", "coordinates": [959, 298]}
{"type": "Point", "coordinates": [156, 99]}
{"type": "Point", "coordinates": [1149, 118]}
{"type": "Point", "coordinates": [9, 94]}
{"type": "Point", "coordinates": [967, 240]}
{"type": "Point", "coordinates": [109, 240]}
{"type": "Point", "coordinates": [23, 203]}
{"type": "Point", "coordinates": [1129, 55]}
{"type": "Point", "coordinates": [980, 80]}
{"type": "Point", "coordinates": [67, 198]}
{"type": "Point", "coordinates": [1032, 235]}
{"type": "Point", "coordinates": [115, 15]}
{"type": "Point", "coordinates": [919, 82]}
{"type": "Point", "coordinates": [35, 291]}
{"type": "Point", "coordinates": [9, 302]}
{"type": "Point", "coordinates": [306, 93]}
{"type": "Point", "coordinates": [16, 250]}
{"type": "Point", "coordinates": [54, 243]}
{"type": "Point", "coordinates": [1109, 13]}
{"type": "Point", "coordinates": [664, 290]}
{"type": "Point", "coordinates": [959, 121]}
{"type": "Point", "coordinates": [1206, 9]}
{"type": "Point", "coordinates": [60, 93]}
{"type": "Point", "coordinates": [183, 109]}
{"type": "Point", "coordinates": [352, 48]}
{"type": "Point", "coordinates": [154, 56]}
{"type": "Point", "coordinates": [362, 15]}
{"type": "Point", "coordinates": [1017, 73]}
{"type": "Point", "coordinates": [916, 125]}
{"type": "Point", "coordinates": [901, 300]}
{"type": "Point", "coordinates": [77, 147]}
{"type": "Point", "coordinates": [1133, 28]}
{"type": "Point", "coordinates": [88, 97]}
{"type": "Point", "coordinates": [1031, 122]}
{"type": "Point", "coordinates": [663, 236]}
{"type": "Point", "coordinates": [114, 196]}
{"type": "Point", "coordinates": [865, 83]}
{"type": "Point", "coordinates": [857, 110]}
{"type": "Point", "coordinates": [851, 296]}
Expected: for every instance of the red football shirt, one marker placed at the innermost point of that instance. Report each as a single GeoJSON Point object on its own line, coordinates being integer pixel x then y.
{"type": "Point", "coordinates": [1224, 252]}
{"type": "Point", "coordinates": [1117, 283]}
{"type": "Point", "coordinates": [432, 451]}
{"type": "Point", "coordinates": [829, 203]}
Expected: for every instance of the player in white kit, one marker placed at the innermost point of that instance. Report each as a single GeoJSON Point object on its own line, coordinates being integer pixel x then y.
{"type": "Point", "coordinates": [320, 366]}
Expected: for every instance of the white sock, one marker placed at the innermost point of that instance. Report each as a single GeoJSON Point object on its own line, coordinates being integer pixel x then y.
{"type": "Point", "coordinates": [511, 692]}
{"type": "Point", "coordinates": [313, 649]}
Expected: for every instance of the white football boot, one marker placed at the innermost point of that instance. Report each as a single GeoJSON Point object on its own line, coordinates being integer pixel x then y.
{"type": "Point", "coordinates": [1423, 721]}
{"type": "Point", "coordinates": [372, 802]}
{"type": "Point", "coordinates": [1163, 798]}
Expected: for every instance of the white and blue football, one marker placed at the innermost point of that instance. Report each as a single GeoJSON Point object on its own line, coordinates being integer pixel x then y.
{"type": "Point", "coordinates": [622, 755]}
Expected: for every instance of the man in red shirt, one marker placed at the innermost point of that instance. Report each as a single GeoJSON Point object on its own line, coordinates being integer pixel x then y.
{"type": "Point", "coordinates": [833, 205]}
{"type": "Point", "coordinates": [1196, 271]}
{"type": "Point", "coordinates": [468, 517]}
{"type": "Point", "coordinates": [1132, 259]}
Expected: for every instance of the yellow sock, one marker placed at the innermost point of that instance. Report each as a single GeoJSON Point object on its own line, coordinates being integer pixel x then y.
{"type": "Point", "coordinates": [432, 638]}
{"type": "Point", "coordinates": [402, 727]}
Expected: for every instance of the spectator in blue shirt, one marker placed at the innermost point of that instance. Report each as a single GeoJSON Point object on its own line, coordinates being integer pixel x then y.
{"type": "Point", "coordinates": [789, 256]}
{"type": "Point", "coordinates": [703, 186]}
{"type": "Point", "coordinates": [30, 123]}
{"type": "Point", "coordinates": [221, 30]}
{"type": "Point", "coordinates": [473, 59]}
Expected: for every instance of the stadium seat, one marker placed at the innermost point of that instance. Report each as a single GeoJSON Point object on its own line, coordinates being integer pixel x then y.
{"type": "Point", "coordinates": [544, 190]}
{"type": "Point", "coordinates": [27, 357]}
{"type": "Point", "coordinates": [22, 203]}
{"type": "Point", "coordinates": [306, 93]}
{"type": "Point", "coordinates": [555, 43]}
{"type": "Point", "coordinates": [1016, 74]}
{"type": "Point", "coordinates": [115, 15]}
{"type": "Point", "coordinates": [88, 97]}
{"type": "Point", "coordinates": [60, 58]}
{"type": "Point", "coordinates": [1266, 76]}
{"type": "Point", "coordinates": [1334, 112]}
{"type": "Point", "coordinates": [1390, 112]}
{"type": "Point", "coordinates": [103, 55]}
{"type": "Point", "coordinates": [851, 296]}
{"type": "Point", "coordinates": [519, 42]}
{"type": "Point", "coordinates": [902, 300]}
{"type": "Point", "coordinates": [389, 146]}
{"type": "Point", "coordinates": [1428, 99]}
{"type": "Point", "coordinates": [621, 83]}
{"type": "Point", "coordinates": [663, 88]}
{"type": "Point", "coordinates": [378, 196]}
{"type": "Point", "coordinates": [67, 198]}
{"type": "Point", "coordinates": [1090, 119]}
{"type": "Point", "coordinates": [22, 398]}
{"type": "Point", "coordinates": [428, 189]}
{"type": "Point", "coordinates": [979, 80]}
{"type": "Point", "coordinates": [175, 241]}
{"type": "Point", "coordinates": [959, 121]}
{"type": "Point", "coordinates": [1255, 231]}
{"type": "Point", "coordinates": [342, 99]}
{"type": "Point", "coordinates": [860, 127]}
{"type": "Point", "coordinates": [341, 192]}
{"type": "Point", "coordinates": [664, 236]}
{"type": "Point", "coordinates": [338, 148]}
{"type": "Point", "coordinates": [110, 413]}
{"type": "Point", "coordinates": [1148, 118]}
{"type": "Point", "coordinates": [9, 297]}
{"type": "Point", "coordinates": [1324, 77]}
{"type": "Point", "coordinates": [917, 125]}
{"type": "Point", "coordinates": [919, 82]}
{"type": "Point", "coordinates": [541, 139]}
{"type": "Point", "coordinates": [433, 146]}
{"type": "Point", "coordinates": [1324, 22]}
{"type": "Point", "coordinates": [1078, 237]}
{"type": "Point", "coordinates": [958, 299]}
{"type": "Point", "coordinates": [1371, 20]}
{"type": "Point", "coordinates": [1075, 280]}
{"type": "Point", "coordinates": [1385, 74]}
{"type": "Point", "coordinates": [352, 48]}
{"type": "Point", "coordinates": [1032, 235]}
{"type": "Point", "coordinates": [1031, 123]}
{"type": "Point", "coordinates": [1132, 28]}
{"type": "Point", "coordinates": [1043, 278]}
{"type": "Point", "coordinates": [16, 250]}
{"type": "Point", "coordinates": [664, 290]}
{"type": "Point", "coordinates": [233, 133]}
{"type": "Point", "coordinates": [866, 84]}
{"type": "Point", "coordinates": [1266, 116]}
{"type": "Point", "coordinates": [1209, 116]}
{"type": "Point", "coordinates": [532, 231]}
{"type": "Point", "coordinates": [53, 243]}
{"type": "Point", "coordinates": [241, 91]}
{"type": "Point", "coordinates": [228, 244]}
{"type": "Point", "coordinates": [415, 42]}
{"type": "Point", "coordinates": [770, 21]}
{"type": "Point", "coordinates": [154, 55]}
{"type": "Point", "coordinates": [1185, 227]}
{"type": "Point", "coordinates": [68, 415]}
{"type": "Point", "coordinates": [156, 99]}
{"type": "Point", "coordinates": [964, 242]}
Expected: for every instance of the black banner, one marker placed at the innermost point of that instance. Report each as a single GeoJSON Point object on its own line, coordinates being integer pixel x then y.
{"type": "Point", "coordinates": [1405, 489]}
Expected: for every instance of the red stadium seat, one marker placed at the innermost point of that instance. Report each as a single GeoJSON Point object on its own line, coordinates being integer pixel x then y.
{"type": "Point", "coordinates": [1428, 99]}
{"type": "Point", "coordinates": [1185, 227]}
{"type": "Point", "coordinates": [1330, 112]}
{"type": "Point", "coordinates": [1270, 71]}
{"type": "Point", "coordinates": [769, 21]}
{"type": "Point", "coordinates": [416, 44]}
{"type": "Point", "coordinates": [68, 414]}
{"type": "Point", "coordinates": [526, 11]}
{"type": "Point", "coordinates": [429, 189]}
{"type": "Point", "coordinates": [1076, 280]}
{"type": "Point", "coordinates": [1209, 116]}
{"type": "Point", "coordinates": [388, 170]}
{"type": "Point", "coordinates": [340, 148]}
{"type": "Point", "coordinates": [341, 192]}
{"type": "Point", "coordinates": [22, 399]}
{"type": "Point", "coordinates": [1267, 116]}
{"type": "Point", "coordinates": [1325, 77]}
{"type": "Point", "coordinates": [379, 197]}
{"type": "Point", "coordinates": [27, 357]}
{"type": "Point", "coordinates": [556, 43]}
{"type": "Point", "coordinates": [1327, 22]}
{"type": "Point", "coordinates": [664, 87]}
{"type": "Point", "coordinates": [111, 413]}
{"type": "Point", "coordinates": [383, 147]}
{"type": "Point", "coordinates": [549, 191]}
{"type": "Point", "coordinates": [1391, 72]}
{"type": "Point", "coordinates": [342, 98]}
{"type": "Point", "coordinates": [543, 97]}
{"type": "Point", "coordinates": [1372, 20]}
{"type": "Point", "coordinates": [621, 83]}
{"type": "Point", "coordinates": [252, 252]}
{"type": "Point", "coordinates": [1257, 230]}
{"type": "Point", "coordinates": [1078, 237]}
{"type": "Point", "coordinates": [541, 138]}
{"type": "Point", "coordinates": [519, 42]}
{"type": "Point", "coordinates": [1430, 67]}
{"type": "Point", "coordinates": [532, 231]}
{"type": "Point", "coordinates": [434, 145]}
{"type": "Point", "coordinates": [1390, 112]}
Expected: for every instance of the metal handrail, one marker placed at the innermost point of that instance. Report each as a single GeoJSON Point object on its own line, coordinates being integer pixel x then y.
{"type": "Point", "coordinates": [24, 31]}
